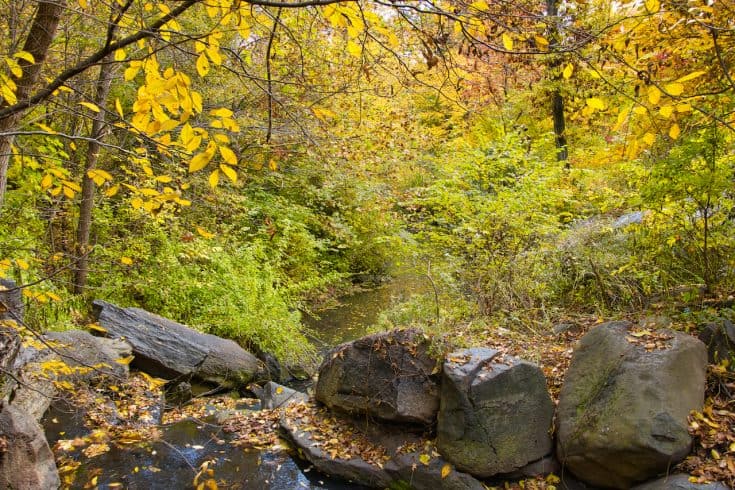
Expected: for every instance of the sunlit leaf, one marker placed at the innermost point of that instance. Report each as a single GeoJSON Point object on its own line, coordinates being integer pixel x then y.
{"type": "Point", "coordinates": [567, 73]}
{"type": "Point", "coordinates": [674, 88]}
{"type": "Point", "coordinates": [92, 107]}
{"type": "Point", "coordinates": [507, 41]}
{"type": "Point", "coordinates": [214, 178]}
{"type": "Point", "coordinates": [446, 469]}
{"type": "Point", "coordinates": [654, 94]}
{"type": "Point", "coordinates": [674, 131]}
{"type": "Point", "coordinates": [425, 459]}
{"type": "Point", "coordinates": [596, 103]}
{"type": "Point", "coordinates": [126, 261]}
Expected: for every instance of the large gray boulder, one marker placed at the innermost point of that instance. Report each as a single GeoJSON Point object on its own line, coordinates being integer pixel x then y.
{"type": "Point", "coordinates": [719, 337]}
{"type": "Point", "coordinates": [171, 350]}
{"type": "Point", "coordinates": [495, 414]}
{"type": "Point", "coordinates": [622, 414]}
{"type": "Point", "coordinates": [26, 461]}
{"type": "Point", "coordinates": [387, 376]}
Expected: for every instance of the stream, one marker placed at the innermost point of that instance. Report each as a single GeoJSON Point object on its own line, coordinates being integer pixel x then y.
{"type": "Point", "coordinates": [172, 462]}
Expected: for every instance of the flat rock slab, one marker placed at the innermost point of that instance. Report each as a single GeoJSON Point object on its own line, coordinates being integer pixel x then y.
{"type": "Point", "coordinates": [622, 414]}
{"type": "Point", "coordinates": [495, 414]}
{"type": "Point", "coordinates": [169, 349]}
{"type": "Point", "coordinates": [410, 471]}
{"type": "Point", "coordinates": [374, 455]}
{"type": "Point", "coordinates": [389, 376]}
{"type": "Point", "coordinates": [304, 425]}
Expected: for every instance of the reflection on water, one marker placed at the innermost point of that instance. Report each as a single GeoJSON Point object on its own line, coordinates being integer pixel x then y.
{"type": "Point", "coordinates": [355, 314]}
{"type": "Point", "coordinates": [172, 462]}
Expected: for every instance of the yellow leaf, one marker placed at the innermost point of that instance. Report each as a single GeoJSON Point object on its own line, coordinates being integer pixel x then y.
{"type": "Point", "coordinates": [666, 111]}
{"type": "Point", "coordinates": [97, 327]}
{"type": "Point", "coordinates": [214, 179]}
{"type": "Point", "coordinates": [691, 76]}
{"type": "Point", "coordinates": [507, 42]}
{"type": "Point", "coordinates": [83, 4]}
{"type": "Point", "coordinates": [125, 360]}
{"type": "Point", "coordinates": [202, 65]}
{"type": "Point", "coordinates": [69, 193]}
{"type": "Point", "coordinates": [118, 108]}
{"type": "Point", "coordinates": [229, 172]}
{"type": "Point", "coordinates": [126, 260]}
{"type": "Point", "coordinates": [214, 55]}
{"type": "Point", "coordinates": [222, 112]}
{"type": "Point", "coordinates": [112, 190]}
{"type": "Point", "coordinates": [204, 233]}
{"type": "Point", "coordinates": [480, 5]}
{"type": "Point", "coordinates": [228, 155]}
{"type": "Point", "coordinates": [92, 107]}
{"type": "Point", "coordinates": [596, 103]}
{"type": "Point", "coordinates": [640, 110]}
{"type": "Point", "coordinates": [649, 138]}
{"type": "Point", "coordinates": [131, 73]}
{"type": "Point", "coordinates": [653, 6]}
{"type": "Point", "coordinates": [425, 459]}
{"type": "Point", "coordinates": [119, 54]}
{"type": "Point", "coordinates": [279, 390]}
{"type": "Point", "coordinates": [354, 49]}
{"type": "Point", "coordinates": [674, 88]}
{"type": "Point", "coordinates": [46, 181]}
{"type": "Point", "coordinates": [542, 43]}
{"type": "Point", "coordinates": [22, 264]}
{"type": "Point", "coordinates": [683, 108]}
{"type": "Point", "coordinates": [674, 131]}
{"type": "Point", "coordinates": [25, 55]}
{"type": "Point", "coordinates": [200, 160]}
{"type": "Point", "coordinates": [446, 469]}
{"type": "Point", "coordinates": [568, 70]}
{"type": "Point", "coordinates": [654, 94]}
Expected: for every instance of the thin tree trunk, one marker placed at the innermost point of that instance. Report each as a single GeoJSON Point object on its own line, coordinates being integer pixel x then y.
{"type": "Point", "coordinates": [40, 37]}
{"type": "Point", "coordinates": [86, 206]}
{"type": "Point", "coordinates": [557, 101]}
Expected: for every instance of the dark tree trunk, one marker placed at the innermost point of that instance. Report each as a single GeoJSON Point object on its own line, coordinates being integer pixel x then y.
{"type": "Point", "coordinates": [86, 205]}
{"type": "Point", "coordinates": [40, 37]}
{"type": "Point", "coordinates": [557, 101]}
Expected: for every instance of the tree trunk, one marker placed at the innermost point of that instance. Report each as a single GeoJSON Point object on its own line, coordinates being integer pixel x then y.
{"type": "Point", "coordinates": [40, 37]}
{"type": "Point", "coordinates": [86, 205]}
{"type": "Point", "coordinates": [557, 101]}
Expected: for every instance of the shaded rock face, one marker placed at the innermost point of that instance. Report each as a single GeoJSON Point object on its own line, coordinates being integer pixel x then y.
{"type": "Point", "coordinates": [387, 376]}
{"type": "Point", "coordinates": [622, 414]}
{"type": "Point", "coordinates": [719, 337]}
{"type": "Point", "coordinates": [168, 349]}
{"type": "Point", "coordinates": [26, 461]}
{"type": "Point", "coordinates": [11, 301]}
{"type": "Point", "coordinates": [495, 414]}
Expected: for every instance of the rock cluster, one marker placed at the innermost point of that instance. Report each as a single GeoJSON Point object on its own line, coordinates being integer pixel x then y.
{"type": "Point", "coordinates": [621, 418]}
